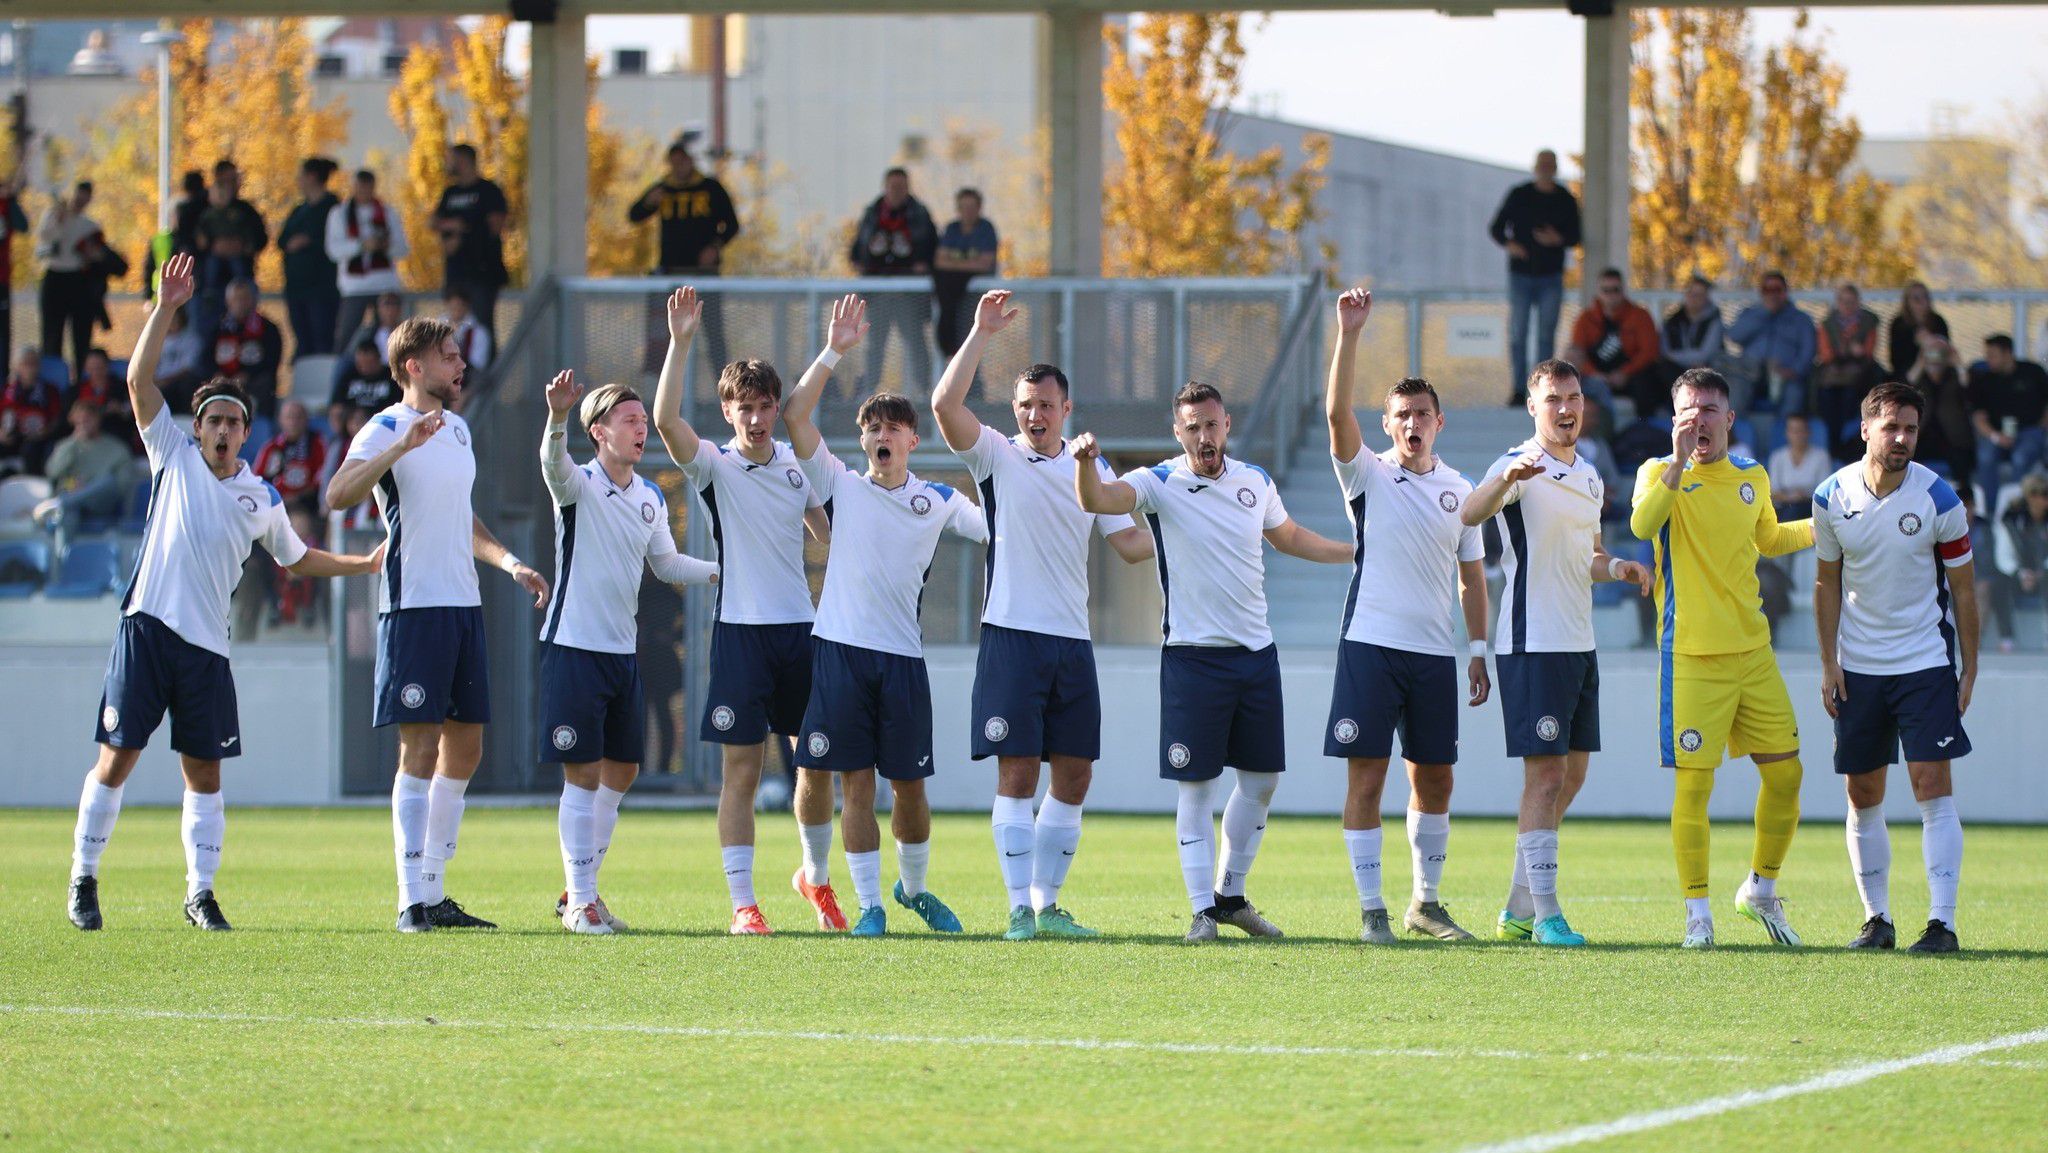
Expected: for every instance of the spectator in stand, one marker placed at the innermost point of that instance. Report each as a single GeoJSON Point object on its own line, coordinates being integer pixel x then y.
{"type": "Point", "coordinates": [365, 385]}
{"type": "Point", "coordinates": [471, 337]}
{"type": "Point", "coordinates": [1690, 338]}
{"type": "Point", "coordinates": [184, 234]}
{"type": "Point", "coordinates": [2020, 536]}
{"type": "Point", "coordinates": [1774, 348]}
{"type": "Point", "coordinates": [70, 245]}
{"type": "Point", "coordinates": [1538, 224]}
{"type": "Point", "coordinates": [352, 423]}
{"type": "Point", "coordinates": [967, 249]}
{"type": "Point", "coordinates": [1948, 440]}
{"type": "Point", "coordinates": [377, 329]}
{"type": "Point", "coordinates": [248, 348]}
{"type": "Point", "coordinates": [470, 219]}
{"type": "Point", "coordinates": [88, 470]}
{"type": "Point", "coordinates": [1796, 470]}
{"type": "Point", "coordinates": [1614, 342]}
{"type": "Point", "coordinates": [1845, 370]}
{"type": "Point", "coordinates": [231, 236]}
{"type": "Point", "coordinates": [1914, 327]}
{"type": "Point", "coordinates": [186, 364]}
{"type": "Point", "coordinates": [365, 240]}
{"type": "Point", "coordinates": [697, 222]}
{"type": "Point", "coordinates": [31, 415]}
{"type": "Point", "coordinates": [101, 387]}
{"type": "Point", "coordinates": [12, 224]}
{"type": "Point", "coordinates": [896, 238]}
{"type": "Point", "coordinates": [2009, 402]}
{"type": "Point", "coordinates": [312, 300]}
{"type": "Point", "coordinates": [295, 460]}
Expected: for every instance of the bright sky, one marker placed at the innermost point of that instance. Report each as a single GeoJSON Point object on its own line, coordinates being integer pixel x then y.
{"type": "Point", "coordinates": [1501, 87]}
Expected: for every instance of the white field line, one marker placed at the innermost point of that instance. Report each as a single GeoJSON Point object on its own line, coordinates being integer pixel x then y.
{"type": "Point", "coordinates": [1085, 1044]}
{"type": "Point", "coordinates": [1827, 1082]}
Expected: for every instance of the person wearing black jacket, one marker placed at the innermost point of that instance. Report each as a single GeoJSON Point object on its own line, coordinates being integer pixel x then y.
{"type": "Point", "coordinates": [1914, 327]}
{"type": "Point", "coordinates": [1690, 338]}
{"type": "Point", "coordinates": [312, 298]}
{"type": "Point", "coordinates": [1537, 224]}
{"type": "Point", "coordinates": [897, 238]}
{"type": "Point", "coordinates": [697, 222]}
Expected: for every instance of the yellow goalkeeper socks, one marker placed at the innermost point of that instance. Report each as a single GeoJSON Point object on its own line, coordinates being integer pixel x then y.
{"type": "Point", "coordinates": [1689, 833]}
{"type": "Point", "coordinates": [1777, 815]}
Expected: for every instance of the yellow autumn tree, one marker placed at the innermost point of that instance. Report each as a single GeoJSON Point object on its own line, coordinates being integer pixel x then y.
{"type": "Point", "coordinates": [1743, 163]}
{"type": "Point", "coordinates": [1959, 205]}
{"type": "Point", "coordinates": [422, 119]}
{"type": "Point", "coordinates": [615, 246]}
{"type": "Point", "coordinates": [1180, 202]}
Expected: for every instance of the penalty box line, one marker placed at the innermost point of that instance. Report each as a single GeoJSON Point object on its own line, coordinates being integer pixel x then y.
{"type": "Point", "coordinates": [1826, 1082]}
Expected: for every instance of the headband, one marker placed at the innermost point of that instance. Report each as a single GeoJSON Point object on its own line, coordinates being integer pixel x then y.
{"type": "Point", "coordinates": [234, 400]}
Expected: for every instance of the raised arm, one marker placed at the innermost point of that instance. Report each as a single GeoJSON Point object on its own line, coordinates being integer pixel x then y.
{"type": "Point", "coordinates": [1492, 492]}
{"type": "Point", "coordinates": [486, 548]}
{"type": "Point", "coordinates": [1345, 439]}
{"type": "Point", "coordinates": [1657, 486]}
{"type": "Point", "coordinates": [355, 478]}
{"type": "Point", "coordinates": [957, 424]}
{"type": "Point", "coordinates": [848, 324]}
{"type": "Point", "coordinates": [1294, 540]}
{"type": "Point", "coordinates": [1094, 493]}
{"type": "Point", "coordinates": [173, 291]}
{"type": "Point", "coordinates": [684, 313]}
{"type": "Point", "coordinates": [555, 466]}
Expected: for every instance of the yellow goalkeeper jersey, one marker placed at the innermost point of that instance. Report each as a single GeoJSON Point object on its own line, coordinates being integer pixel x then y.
{"type": "Point", "coordinates": [1708, 533]}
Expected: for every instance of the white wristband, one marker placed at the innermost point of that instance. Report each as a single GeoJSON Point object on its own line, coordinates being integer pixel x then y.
{"type": "Point", "coordinates": [511, 564]}
{"type": "Point", "coordinates": [829, 359]}
{"type": "Point", "coordinates": [1478, 648]}
{"type": "Point", "coordinates": [1614, 564]}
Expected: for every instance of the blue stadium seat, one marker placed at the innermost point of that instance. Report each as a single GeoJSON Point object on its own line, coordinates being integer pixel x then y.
{"type": "Point", "coordinates": [24, 565]}
{"type": "Point", "coordinates": [88, 569]}
{"type": "Point", "coordinates": [57, 370]}
{"type": "Point", "coordinates": [260, 432]}
{"type": "Point", "coordinates": [136, 514]}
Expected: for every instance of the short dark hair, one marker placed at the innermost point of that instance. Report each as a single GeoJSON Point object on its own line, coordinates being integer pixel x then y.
{"type": "Point", "coordinates": [1415, 386]}
{"type": "Point", "coordinates": [1773, 274]}
{"type": "Point", "coordinates": [1701, 380]}
{"type": "Point", "coordinates": [1893, 395]}
{"type": "Point", "coordinates": [974, 192]}
{"type": "Point", "coordinates": [365, 174]}
{"type": "Point", "coordinates": [84, 186]}
{"type": "Point", "coordinates": [897, 170]}
{"type": "Point", "coordinates": [397, 298]}
{"type": "Point", "coordinates": [744, 378]}
{"type": "Point", "coordinates": [1789, 417]}
{"type": "Point", "coordinates": [218, 387]}
{"type": "Point", "coordinates": [1038, 372]}
{"type": "Point", "coordinates": [1554, 369]}
{"type": "Point", "coordinates": [414, 336]}
{"type": "Point", "coordinates": [102, 353]}
{"type": "Point", "coordinates": [677, 146]}
{"type": "Point", "coordinates": [368, 344]}
{"type": "Point", "coordinates": [456, 292]}
{"type": "Point", "coordinates": [466, 151]}
{"type": "Point", "coordinates": [194, 182]}
{"type": "Point", "coordinates": [1613, 272]}
{"type": "Point", "coordinates": [224, 164]}
{"type": "Point", "coordinates": [1701, 280]}
{"type": "Point", "coordinates": [1196, 392]}
{"type": "Point", "coordinates": [1998, 340]}
{"type": "Point", "coordinates": [886, 408]}
{"type": "Point", "coordinates": [319, 167]}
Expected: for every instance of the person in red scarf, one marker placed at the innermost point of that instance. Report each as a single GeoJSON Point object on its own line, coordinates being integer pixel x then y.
{"type": "Point", "coordinates": [248, 348]}
{"type": "Point", "coordinates": [295, 460]}
{"type": "Point", "coordinates": [31, 415]}
{"type": "Point", "coordinates": [366, 240]}
{"type": "Point", "coordinates": [897, 238]}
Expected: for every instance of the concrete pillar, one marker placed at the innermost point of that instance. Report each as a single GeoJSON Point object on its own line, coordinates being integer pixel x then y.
{"type": "Point", "coordinates": [1070, 59]}
{"type": "Point", "coordinates": [557, 168]}
{"type": "Point", "coordinates": [1604, 203]}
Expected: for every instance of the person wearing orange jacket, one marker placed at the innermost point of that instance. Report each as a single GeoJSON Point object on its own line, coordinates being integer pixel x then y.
{"type": "Point", "coordinates": [1613, 341]}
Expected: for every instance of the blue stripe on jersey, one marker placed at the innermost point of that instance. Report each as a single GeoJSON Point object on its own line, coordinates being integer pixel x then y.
{"type": "Point", "coordinates": [390, 422]}
{"type": "Point", "coordinates": [988, 509]}
{"type": "Point", "coordinates": [1518, 540]}
{"type": "Point", "coordinates": [149, 525]}
{"type": "Point", "coordinates": [1944, 497]}
{"type": "Point", "coordinates": [276, 498]}
{"type": "Point", "coordinates": [709, 495]}
{"type": "Point", "coordinates": [1941, 604]}
{"type": "Point", "coordinates": [394, 554]}
{"type": "Point", "coordinates": [1357, 562]}
{"type": "Point", "coordinates": [1165, 593]}
{"type": "Point", "coordinates": [1825, 494]}
{"type": "Point", "coordinates": [568, 549]}
{"type": "Point", "coordinates": [1741, 462]}
{"type": "Point", "coordinates": [1666, 739]}
{"type": "Point", "coordinates": [945, 491]}
{"type": "Point", "coordinates": [1162, 471]}
{"type": "Point", "coordinates": [1255, 468]}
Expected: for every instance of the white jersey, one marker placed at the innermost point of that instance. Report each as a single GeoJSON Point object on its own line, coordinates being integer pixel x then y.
{"type": "Point", "coordinates": [604, 533]}
{"type": "Point", "coordinates": [429, 524]}
{"type": "Point", "coordinates": [198, 534]}
{"type": "Point", "coordinates": [1548, 527]}
{"type": "Point", "coordinates": [1038, 535]}
{"type": "Point", "coordinates": [757, 522]}
{"type": "Point", "coordinates": [1895, 551]}
{"type": "Point", "coordinates": [883, 541]}
{"type": "Point", "coordinates": [1208, 533]}
{"type": "Point", "coordinates": [1407, 542]}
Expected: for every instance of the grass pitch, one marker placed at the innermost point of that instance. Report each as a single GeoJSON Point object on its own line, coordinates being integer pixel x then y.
{"type": "Point", "coordinates": [313, 1025]}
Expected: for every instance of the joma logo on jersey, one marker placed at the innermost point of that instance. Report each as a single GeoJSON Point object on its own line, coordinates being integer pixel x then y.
{"type": "Point", "coordinates": [1910, 524]}
{"type": "Point", "coordinates": [920, 504]}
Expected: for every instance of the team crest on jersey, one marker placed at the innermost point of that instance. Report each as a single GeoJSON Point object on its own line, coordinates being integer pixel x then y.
{"type": "Point", "coordinates": [564, 737]}
{"type": "Point", "coordinates": [996, 729]}
{"type": "Point", "coordinates": [1346, 731]}
{"type": "Point", "coordinates": [796, 478]}
{"type": "Point", "coordinates": [1747, 492]}
{"type": "Point", "coordinates": [920, 504]}
{"type": "Point", "coordinates": [1690, 740]}
{"type": "Point", "coordinates": [1178, 756]}
{"type": "Point", "coordinates": [110, 718]}
{"type": "Point", "coordinates": [819, 744]}
{"type": "Point", "coordinates": [1247, 498]}
{"type": "Point", "coordinates": [1546, 729]}
{"type": "Point", "coordinates": [461, 436]}
{"type": "Point", "coordinates": [247, 502]}
{"type": "Point", "coordinates": [412, 696]}
{"type": "Point", "coordinates": [721, 718]}
{"type": "Point", "coordinates": [1447, 500]}
{"type": "Point", "coordinates": [647, 511]}
{"type": "Point", "coordinates": [1910, 524]}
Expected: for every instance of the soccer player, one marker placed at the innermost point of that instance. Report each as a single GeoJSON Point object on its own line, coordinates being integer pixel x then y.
{"type": "Point", "coordinates": [1397, 659]}
{"type": "Point", "coordinates": [1219, 671]}
{"type": "Point", "coordinates": [432, 674]}
{"type": "Point", "coordinates": [759, 503]}
{"type": "Point", "coordinates": [1035, 693]}
{"type": "Point", "coordinates": [609, 521]}
{"type": "Point", "coordinates": [1709, 516]}
{"type": "Point", "coordinates": [871, 703]}
{"type": "Point", "coordinates": [171, 652]}
{"type": "Point", "coordinates": [1548, 499]}
{"type": "Point", "coordinates": [1895, 599]}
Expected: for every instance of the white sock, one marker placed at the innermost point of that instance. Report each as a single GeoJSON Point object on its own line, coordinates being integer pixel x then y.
{"type": "Point", "coordinates": [1520, 903]}
{"type": "Point", "coordinates": [1870, 857]}
{"type": "Point", "coordinates": [1429, 842]}
{"type": "Point", "coordinates": [205, 826]}
{"type": "Point", "coordinates": [1244, 826]}
{"type": "Point", "coordinates": [1010, 819]}
{"type": "Point", "coordinates": [444, 824]}
{"type": "Point", "coordinates": [1538, 850]}
{"type": "Point", "coordinates": [1058, 835]}
{"type": "Point", "coordinates": [911, 863]}
{"type": "Point", "coordinates": [1364, 847]}
{"type": "Point", "coordinates": [604, 821]}
{"type": "Point", "coordinates": [739, 874]}
{"type": "Point", "coordinates": [409, 836]}
{"type": "Point", "coordinates": [579, 849]}
{"type": "Point", "coordinates": [1194, 828]}
{"type": "Point", "coordinates": [866, 869]}
{"type": "Point", "coordinates": [1698, 909]}
{"type": "Point", "coordinates": [817, 842]}
{"type": "Point", "coordinates": [1941, 844]}
{"type": "Point", "coordinates": [1763, 886]}
{"type": "Point", "coordinates": [98, 808]}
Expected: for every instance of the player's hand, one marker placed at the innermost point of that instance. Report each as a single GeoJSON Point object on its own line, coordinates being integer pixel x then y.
{"type": "Point", "coordinates": [1964, 687]}
{"type": "Point", "coordinates": [534, 583]}
{"type": "Point", "coordinates": [375, 559]}
{"type": "Point", "coordinates": [422, 430]}
{"type": "Point", "coordinates": [1684, 435]}
{"type": "Point", "coordinates": [684, 311]}
{"type": "Point", "coordinates": [1084, 447]}
{"type": "Point", "coordinates": [1636, 573]}
{"type": "Point", "coordinates": [175, 287]}
{"type": "Point", "coordinates": [990, 315]}
{"type": "Point", "coordinates": [849, 323]}
{"type": "Point", "coordinates": [1834, 688]}
{"type": "Point", "coordinates": [1352, 309]}
{"type": "Point", "coordinates": [563, 390]}
{"type": "Point", "coordinates": [1527, 466]}
{"type": "Point", "coordinates": [1481, 685]}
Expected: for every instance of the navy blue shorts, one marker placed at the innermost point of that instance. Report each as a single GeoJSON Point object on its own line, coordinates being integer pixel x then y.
{"type": "Point", "coordinates": [1550, 701]}
{"type": "Point", "coordinates": [1917, 710]}
{"type": "Point", "coordinates": [760, 680]}
{"type": "Point", "coordinates": [591, 707]}
{"type": "Point", "coordinates": [1218, 707]}
{"type": "Point", "coordinates": [1035, 696]}
{"type": "Point", "coordinates": [868, 709]}
{"type": "Point", "coordinates": [1380, 689]}
{"type": "Point", "coordinates": [152, 671]}
{"type": "Point", "coordinates": [431, 667]}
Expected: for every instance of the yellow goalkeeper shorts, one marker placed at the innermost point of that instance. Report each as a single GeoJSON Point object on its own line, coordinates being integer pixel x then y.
{"type": "Point", "coordinates": [1732, 701]}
